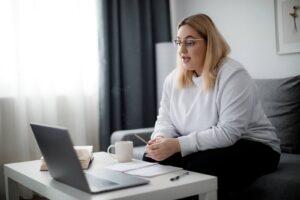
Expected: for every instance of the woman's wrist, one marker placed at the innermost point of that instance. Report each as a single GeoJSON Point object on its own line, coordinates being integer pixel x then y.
{"type": "Point", "coordinates": [176, 145]}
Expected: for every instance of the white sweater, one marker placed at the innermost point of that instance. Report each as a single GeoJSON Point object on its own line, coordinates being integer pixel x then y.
{"type": "Point", "coordinates": [217, 118]}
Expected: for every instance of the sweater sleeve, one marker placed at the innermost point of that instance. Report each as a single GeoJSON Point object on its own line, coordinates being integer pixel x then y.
{"type": "Point", "coordinates": [163, 125]}
{"type": "Point", "coordinates": [234, 102]}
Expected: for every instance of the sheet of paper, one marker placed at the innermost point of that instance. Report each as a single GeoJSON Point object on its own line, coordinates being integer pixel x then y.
{"type": "Point", "coordinates": [135, 164]}
{"type": "Point", "coordinates": [153, 170]}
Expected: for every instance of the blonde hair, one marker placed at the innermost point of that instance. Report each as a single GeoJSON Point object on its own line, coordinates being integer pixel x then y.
{"type": "Point", "coordinates": [217, 49]}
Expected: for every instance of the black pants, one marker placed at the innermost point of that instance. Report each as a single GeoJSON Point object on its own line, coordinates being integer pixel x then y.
{"type": "Point", "coordinates": [235, 166]}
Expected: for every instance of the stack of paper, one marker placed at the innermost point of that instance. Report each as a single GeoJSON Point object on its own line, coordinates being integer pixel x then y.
{"type": "Point", "coordinates": [153, 170]}
{"type": "Point", "coordinates": [84, 154]}
{"type": "Point", "coordinates": [143, 168]}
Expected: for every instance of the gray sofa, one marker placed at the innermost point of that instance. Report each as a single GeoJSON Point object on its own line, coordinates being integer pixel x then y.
{"type": "Point", "coordinates": [281, 102]}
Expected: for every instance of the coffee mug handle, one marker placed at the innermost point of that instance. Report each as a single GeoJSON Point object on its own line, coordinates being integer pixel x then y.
{"type": "Point", "coordinates": [109, 153]}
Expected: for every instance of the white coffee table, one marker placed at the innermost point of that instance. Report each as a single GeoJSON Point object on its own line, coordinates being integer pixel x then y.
{"type": "Point", "coordinates": [160, 187]}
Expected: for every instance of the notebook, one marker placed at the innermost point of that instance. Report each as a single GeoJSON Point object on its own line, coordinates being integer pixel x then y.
{"type": "Point", "coordinates": [63, 165]}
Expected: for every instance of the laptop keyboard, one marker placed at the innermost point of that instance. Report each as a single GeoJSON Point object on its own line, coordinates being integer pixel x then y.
{"type": "Point", "coordinates": [95, 182]}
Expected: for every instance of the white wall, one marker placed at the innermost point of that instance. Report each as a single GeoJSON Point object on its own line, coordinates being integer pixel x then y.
{"type": "Point", "coordinates": [165, 63]}
{"type": "Point", "coordinates": [249, 28]}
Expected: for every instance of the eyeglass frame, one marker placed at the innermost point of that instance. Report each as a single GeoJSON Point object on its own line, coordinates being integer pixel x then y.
{"type": "Point", "coordinates": [177, 42]}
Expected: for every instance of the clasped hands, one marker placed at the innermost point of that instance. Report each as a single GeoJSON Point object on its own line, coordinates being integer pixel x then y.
{"type": "Point", "coordinates": [161, 148]}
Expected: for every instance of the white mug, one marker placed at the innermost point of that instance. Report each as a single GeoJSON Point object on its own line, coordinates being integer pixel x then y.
{"type": "Point", "coordinates": [123, 151]}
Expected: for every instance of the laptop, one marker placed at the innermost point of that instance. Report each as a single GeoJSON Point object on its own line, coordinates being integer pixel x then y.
{"type": "Point", "coordinates": [63, 165]}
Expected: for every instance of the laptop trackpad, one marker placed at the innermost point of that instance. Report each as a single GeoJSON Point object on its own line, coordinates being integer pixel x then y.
{"type": "Point", "coordinates": [96, 182]}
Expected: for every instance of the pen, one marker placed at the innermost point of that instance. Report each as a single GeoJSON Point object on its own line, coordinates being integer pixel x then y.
{"type": "Point", "coordinates": [179, 176]}
{"type": "Point", "coordinates": [140, 138]}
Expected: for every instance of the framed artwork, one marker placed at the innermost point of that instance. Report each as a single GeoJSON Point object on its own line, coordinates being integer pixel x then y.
{"type": "Point", "coordinates": [287, 18]}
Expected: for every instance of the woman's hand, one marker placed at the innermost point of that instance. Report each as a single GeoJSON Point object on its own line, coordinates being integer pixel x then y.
{"type": "Point", "coordinates": [161, 148]}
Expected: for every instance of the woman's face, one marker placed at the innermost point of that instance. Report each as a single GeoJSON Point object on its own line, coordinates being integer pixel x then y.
{"type": "Point", "coordinates": [191, 49]}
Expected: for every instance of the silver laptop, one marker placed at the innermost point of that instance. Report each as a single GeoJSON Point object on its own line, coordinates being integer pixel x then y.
{"type": "Point", "coordinates": [62, 162]}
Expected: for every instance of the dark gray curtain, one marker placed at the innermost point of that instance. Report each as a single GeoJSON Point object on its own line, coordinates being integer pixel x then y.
{"type": "Point", "coordinates": [128, 82]}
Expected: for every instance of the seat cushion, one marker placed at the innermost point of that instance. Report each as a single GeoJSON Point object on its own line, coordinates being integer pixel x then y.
{"type": "Point", "coordinates": [281, 103]}
{"type": "Point", "coordinates": [281, 184]}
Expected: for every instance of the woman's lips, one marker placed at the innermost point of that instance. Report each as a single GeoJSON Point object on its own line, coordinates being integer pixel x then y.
{"type": "Point", "coordinates": [185, 59]}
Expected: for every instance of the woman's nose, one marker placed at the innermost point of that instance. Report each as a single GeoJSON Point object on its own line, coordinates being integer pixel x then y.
{"type": "Point", "coordinates": [182, 49]}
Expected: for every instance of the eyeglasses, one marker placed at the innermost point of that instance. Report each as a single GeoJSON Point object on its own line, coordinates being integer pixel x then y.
{"type": "Point", "coordinates": [187, 42]}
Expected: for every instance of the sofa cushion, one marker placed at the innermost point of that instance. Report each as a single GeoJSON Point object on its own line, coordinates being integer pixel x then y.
{"type": "Point", "coordinates": [281, 103]}
{"type": "Point", "coordinates": [284, 183]}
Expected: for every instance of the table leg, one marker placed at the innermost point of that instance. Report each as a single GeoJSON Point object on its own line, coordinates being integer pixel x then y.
{"type": "Point", "coordinates": [208, 196]}
{"type": "Point", "coordinates": [11, 189]}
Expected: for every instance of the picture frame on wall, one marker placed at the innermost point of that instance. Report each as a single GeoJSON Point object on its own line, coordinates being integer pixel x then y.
{"type": "Point", "coordinates": [287, 18]}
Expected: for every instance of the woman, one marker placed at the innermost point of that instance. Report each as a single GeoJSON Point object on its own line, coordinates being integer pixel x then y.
{"type": "Point", "coordinates": [210, 118]}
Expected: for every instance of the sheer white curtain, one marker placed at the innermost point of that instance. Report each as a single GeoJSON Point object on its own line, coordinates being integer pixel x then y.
{"type": "Point", "coordinates": [48, 72]}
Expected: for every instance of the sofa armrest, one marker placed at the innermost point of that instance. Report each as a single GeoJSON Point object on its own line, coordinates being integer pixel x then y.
{"type": "Point", "coordinates": [120, 135]}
